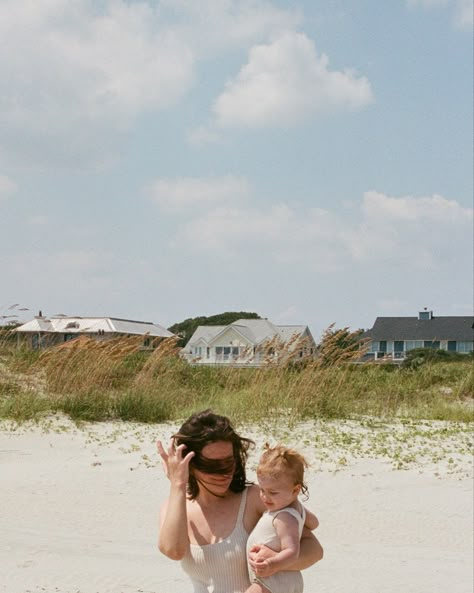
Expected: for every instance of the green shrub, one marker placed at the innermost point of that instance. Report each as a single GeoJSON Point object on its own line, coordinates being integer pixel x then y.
{"type": "Point", "coordinates": [420, 356]}
{"type": "Point", "coordinates": [100, 381]}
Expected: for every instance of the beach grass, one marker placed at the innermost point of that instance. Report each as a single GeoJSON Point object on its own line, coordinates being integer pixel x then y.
{"type": "Point", "coordinates": [115, 379]}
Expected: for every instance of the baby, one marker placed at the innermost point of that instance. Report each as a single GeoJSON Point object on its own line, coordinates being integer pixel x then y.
{"type": "Point", "coordinates": [280, 474]}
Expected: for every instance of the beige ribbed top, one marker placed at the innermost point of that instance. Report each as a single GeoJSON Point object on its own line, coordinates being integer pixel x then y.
{"type": "Point", "coordinates": [220, 567]}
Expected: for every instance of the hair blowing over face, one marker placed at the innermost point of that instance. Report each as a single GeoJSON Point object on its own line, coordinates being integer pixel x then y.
{"type": "Point", "coordinates": [204, 428]}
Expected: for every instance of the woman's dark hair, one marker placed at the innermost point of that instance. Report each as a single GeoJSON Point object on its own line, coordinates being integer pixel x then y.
{"type": "Point", "coordinates": [204, 428]}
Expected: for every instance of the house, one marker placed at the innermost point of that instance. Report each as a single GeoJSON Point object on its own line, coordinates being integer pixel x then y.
{"type": "Point", "coordinates": [43, 331]}
{"type": "Point", "coordinates": [393, 337]}
{"type": "Point", "coordinates": [249, 342]}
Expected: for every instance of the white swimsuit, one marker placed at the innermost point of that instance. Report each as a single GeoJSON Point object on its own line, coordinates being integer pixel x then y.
{"type": "Point", "coordinates": [289, 581]}
{"type": "Point", "coordinates": [220, 567]}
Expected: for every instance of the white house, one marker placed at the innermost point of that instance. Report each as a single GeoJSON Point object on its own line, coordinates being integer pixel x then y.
{"type": "Point", "coordinates": [249, 342]}
{"type": "Point", "coordinates": [43, 331]}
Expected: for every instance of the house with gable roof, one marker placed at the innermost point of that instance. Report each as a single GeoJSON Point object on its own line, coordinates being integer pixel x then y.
{"type": "Point", "coordinates": [249, 342]}
{"type": "Point", "coordinates": [44, 331]}
{"type": "Point", "coordinates": [393, 337]}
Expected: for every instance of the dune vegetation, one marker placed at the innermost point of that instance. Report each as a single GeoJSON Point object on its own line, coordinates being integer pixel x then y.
{"type": "Point", "coordinates": [96, 381]}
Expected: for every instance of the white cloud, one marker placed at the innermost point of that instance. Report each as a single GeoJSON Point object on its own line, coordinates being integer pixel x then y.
{"type": "Point", "coordinates": [284, 83]}
{"type": "Point", "coordinates": [203, 135]}
{"type": "Point", "coordinates": [428, 3]}
{"type": "Point", "coordinates": [464, 14]}
{"type": "Point", "coordinates": [391, 306]}
{"type": "Point", "coordinates": [418, 231]}
{"type": "Point", "coordinates": [75, 73]}
{"type": "Point", "coordinates": [185, 195]}
{"type": "Point", "coordinates": [413, 231]}
{"type": "Point", "coordinates": [38, 220]}
{"type": "Point", "coordinates": [463, 10]}
{"type": "Point", "coordinates": [287, 315]}
{"type": "Point", "coordinates": [379, 207]}
{"type": "Point", "coordinates": [78, 271]}
{"type": "Point", "coordinates": [210, 25]}
{"type": "Point", "coordinates": [7, 187]}
{"type": "Point", "coordinates": [278, 233]}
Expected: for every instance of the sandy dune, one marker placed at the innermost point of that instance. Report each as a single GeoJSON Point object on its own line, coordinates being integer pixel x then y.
{"type": "Point", "coordinates": [78, 509]}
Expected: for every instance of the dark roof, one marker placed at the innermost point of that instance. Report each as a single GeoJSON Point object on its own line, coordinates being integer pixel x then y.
{"type": "Point", "coordinates": [412, 328]}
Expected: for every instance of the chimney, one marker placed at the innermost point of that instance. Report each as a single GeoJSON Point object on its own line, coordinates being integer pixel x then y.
{"type": "Point", "coordinates": [425, 315]}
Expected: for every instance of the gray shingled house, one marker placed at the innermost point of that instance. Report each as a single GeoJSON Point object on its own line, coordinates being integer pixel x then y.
{"type": "Point", "coordinates": [393, 337]}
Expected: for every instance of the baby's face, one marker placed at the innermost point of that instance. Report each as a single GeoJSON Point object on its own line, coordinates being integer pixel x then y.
{"type": "Point", "coordinates": [277, 492]}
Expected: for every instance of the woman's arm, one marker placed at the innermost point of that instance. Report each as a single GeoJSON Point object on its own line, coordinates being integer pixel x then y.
{"type": "Point", "coordinates": [311, 521]}
{"type": "Point", "coordinates": [173, 539]}
{"type": "Point", "coordinates": [311, 552]}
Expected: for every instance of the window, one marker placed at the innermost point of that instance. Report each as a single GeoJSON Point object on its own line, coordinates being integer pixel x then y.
{"type": "Point", "coordinates": [197, 351]}
{"type": "Point", "coordinates": [431, 344]}
{"type": "Point", "coordinates": [465, 346]}
{"type": "Point", "coordinates": [227, 352]}
{"type": "Point", "coordinates": [412, 344]}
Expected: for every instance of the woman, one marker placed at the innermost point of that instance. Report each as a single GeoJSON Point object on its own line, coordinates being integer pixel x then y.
{"type": "Point", "coordinates": [212, 508]}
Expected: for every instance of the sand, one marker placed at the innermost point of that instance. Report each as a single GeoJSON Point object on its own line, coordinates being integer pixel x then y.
{"type": "Point", "coordinates": [79, 507]}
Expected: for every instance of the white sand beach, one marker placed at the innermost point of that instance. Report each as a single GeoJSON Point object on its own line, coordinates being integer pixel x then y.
{"type": "Point", "coordinates": [79, 507]}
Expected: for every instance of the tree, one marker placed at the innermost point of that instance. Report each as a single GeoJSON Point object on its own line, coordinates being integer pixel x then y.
{"type": "Point", "coordinates": [185, 329]}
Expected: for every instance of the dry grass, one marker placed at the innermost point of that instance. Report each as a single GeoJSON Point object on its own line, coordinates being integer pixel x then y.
{"type": "Point", "coordinates": [91, 380]}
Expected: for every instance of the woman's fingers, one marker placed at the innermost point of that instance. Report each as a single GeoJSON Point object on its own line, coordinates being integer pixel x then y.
{"type": "Point", "coordinates": [189, 456]}
{"type": "Point", "coordinates": [174, 454]}
{"type": "Point", "coordinates": [164, 457]}
{"type": "Point", "coordinates": [161, 451]}
{"type": "Point", "coordinates": [179, 451]}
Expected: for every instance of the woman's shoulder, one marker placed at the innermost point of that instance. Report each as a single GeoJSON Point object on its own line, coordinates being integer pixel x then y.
{"type": "Point", "coordinates": [254, 507]}
{"type": "Point", "coordinates": [253, 492]}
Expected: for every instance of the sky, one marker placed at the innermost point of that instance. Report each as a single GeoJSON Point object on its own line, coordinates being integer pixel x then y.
{"type": "Point", "coordinates": [310, 161]}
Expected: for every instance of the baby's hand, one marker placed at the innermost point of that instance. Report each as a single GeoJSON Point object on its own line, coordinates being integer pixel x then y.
{"type": "Point", "coordinates": [262, 568]}
{"type": "Point", "coordinates": [258, 560]}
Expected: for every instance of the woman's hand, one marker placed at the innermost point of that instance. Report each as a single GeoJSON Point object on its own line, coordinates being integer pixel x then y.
{"type": "Point", "coordinates": [258, 560]}
{"type": "Point", "coordinates": [175, 463]}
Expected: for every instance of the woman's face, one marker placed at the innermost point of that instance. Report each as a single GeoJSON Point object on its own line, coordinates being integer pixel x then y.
{"type": "Point", "coordinates": [214, 467]}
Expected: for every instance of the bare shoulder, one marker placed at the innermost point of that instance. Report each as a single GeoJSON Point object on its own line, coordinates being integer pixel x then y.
{"type": "Point", "coordinates": [284, 517]}
{"type": "Point", "coordinates": [254, 508]}
{"type": "Point", "coordinates": [253, 497]}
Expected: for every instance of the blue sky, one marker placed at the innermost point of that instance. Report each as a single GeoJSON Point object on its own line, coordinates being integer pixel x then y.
{"type": "Point", "coordinates": [310, 161]}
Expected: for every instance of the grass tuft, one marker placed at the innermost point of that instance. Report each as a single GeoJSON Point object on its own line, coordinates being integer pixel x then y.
{"type": "Point", "coordinates": [95, 381]}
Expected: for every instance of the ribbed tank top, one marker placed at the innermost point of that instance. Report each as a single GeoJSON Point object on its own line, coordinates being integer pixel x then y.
{"type": "Point", "coordinates": [220, 567]}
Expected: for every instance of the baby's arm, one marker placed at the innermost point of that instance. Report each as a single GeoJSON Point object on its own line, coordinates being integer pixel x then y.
{"type": "Point", "coordinates": [286, 527]}
{"type": "Point", "coordinates": [311, 521]}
